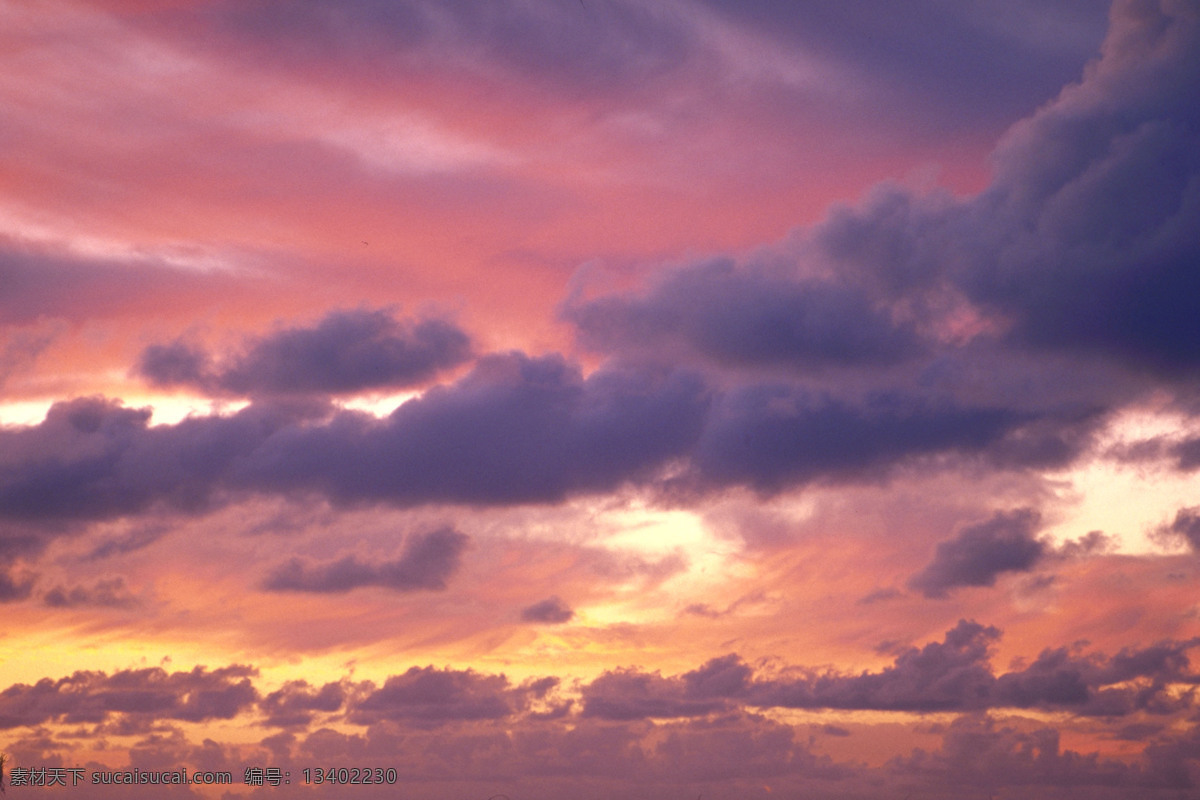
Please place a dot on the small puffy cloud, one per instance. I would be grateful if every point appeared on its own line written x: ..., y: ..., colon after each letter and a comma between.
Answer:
x: 296, y: 703
x: 428, y: 561
x: 981, y: 552
x: 347, y: 351
x: 552, y: 610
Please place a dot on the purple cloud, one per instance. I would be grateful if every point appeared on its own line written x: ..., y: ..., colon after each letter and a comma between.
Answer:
x: 981, y: 552
x: 552, y: 610
x: 747, y: 317
x: 297, y: 703
x: 110, y: 592
x: 434, y: 696
x: 1184, y: 528
x: 428, y: 561
x: 347, y: 351
x: 91, y: 697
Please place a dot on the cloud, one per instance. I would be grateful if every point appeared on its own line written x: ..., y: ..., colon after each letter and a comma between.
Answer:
x: 1082, y: 245
x: 552, y: 610
x: 773, y: 436
x: 1188, y: 453
x: 948, y: 675
x: 955, y: 675
x: 346, y: 351
x: 746, y: 317
x: 20, y: 347
x: 106, y: 593
x: 1084, y: 241
x: 557, y: 46
x: 91, y: 697
x: 516, y: 429
x: 1185, y: 528
x: 980, y: 552
x: 978, y: 751
x: 93, y: 458
x: 433, y: 696
x: 297, y: 703
x: 14, y: 587
x: 42, y: 283
x: 626, y: 694
x: 130, y: 542
x: 985, y: 64
x: 427, y: 562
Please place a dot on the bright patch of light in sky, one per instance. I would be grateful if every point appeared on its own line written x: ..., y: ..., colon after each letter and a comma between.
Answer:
x: 1126, y: 501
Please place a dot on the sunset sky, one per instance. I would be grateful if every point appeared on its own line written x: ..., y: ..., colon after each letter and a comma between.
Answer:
x: 571, y: 399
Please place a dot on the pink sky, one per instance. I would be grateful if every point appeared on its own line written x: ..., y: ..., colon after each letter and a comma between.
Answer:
x: 602, y: 399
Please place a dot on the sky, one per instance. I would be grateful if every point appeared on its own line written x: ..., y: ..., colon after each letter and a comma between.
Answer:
x: 599, y: 398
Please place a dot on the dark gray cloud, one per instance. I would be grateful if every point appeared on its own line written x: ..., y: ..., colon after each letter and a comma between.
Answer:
x: 552, y: 610
x: 92, y: 697
x: 747, y: 317
x: 346, y: 351
x: 428, y: 561
x: 981, y: 552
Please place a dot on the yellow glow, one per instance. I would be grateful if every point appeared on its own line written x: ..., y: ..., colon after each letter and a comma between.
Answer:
x: 26, y: 412
x: 1127, y: 501
x: 379, y: 405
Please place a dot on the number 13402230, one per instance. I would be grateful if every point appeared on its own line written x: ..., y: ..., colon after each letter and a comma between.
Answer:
x: 350, y: 775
